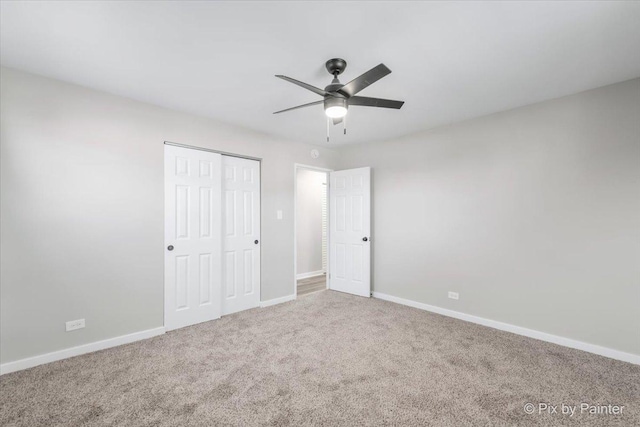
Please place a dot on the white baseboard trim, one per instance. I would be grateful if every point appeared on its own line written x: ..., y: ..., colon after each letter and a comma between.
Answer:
x: 30, y: 362
x: 543, y: 336
x: 269, y: 303
x: 310, y: 274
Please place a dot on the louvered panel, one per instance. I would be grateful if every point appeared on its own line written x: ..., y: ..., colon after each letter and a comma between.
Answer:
x: 324, y: 229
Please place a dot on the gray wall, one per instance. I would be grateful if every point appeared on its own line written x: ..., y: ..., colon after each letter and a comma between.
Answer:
x: 311, y: 186
x: 82, y: 210
x: 532, y: 215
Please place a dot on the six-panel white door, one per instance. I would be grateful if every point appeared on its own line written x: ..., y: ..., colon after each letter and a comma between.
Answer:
x: 240, y: 234
x: 349, y: 231
x: 193, y: 238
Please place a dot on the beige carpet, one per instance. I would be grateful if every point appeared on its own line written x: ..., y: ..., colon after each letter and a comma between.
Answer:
x: 326, y: 359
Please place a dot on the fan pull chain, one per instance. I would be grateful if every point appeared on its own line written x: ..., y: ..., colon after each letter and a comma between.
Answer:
x: 328, y: 121
x: 344, y: 123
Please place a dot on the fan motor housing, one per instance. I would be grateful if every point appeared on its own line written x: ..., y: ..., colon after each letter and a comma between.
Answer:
x: 335, y: 101
x: 334, y: 86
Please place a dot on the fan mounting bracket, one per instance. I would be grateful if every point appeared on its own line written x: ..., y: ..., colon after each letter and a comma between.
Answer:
x: 336, y: 66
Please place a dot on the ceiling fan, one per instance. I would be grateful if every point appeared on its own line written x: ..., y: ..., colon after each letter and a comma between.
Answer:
x: 338, y: 97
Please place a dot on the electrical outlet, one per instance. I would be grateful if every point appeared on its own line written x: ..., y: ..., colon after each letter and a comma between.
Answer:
x: 72, y: 325
x: 454, y: 295
x: 279, y: 214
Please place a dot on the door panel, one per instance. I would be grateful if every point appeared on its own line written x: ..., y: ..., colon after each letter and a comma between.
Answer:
x: 349, y: 225
x: 193, y: 228
x: 241, y: 224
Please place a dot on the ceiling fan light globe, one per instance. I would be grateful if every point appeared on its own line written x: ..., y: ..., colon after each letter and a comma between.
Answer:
x: 335, y: 107
x: 336, y: 112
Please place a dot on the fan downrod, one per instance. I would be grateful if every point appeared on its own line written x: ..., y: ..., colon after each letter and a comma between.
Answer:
x: 336, y: 66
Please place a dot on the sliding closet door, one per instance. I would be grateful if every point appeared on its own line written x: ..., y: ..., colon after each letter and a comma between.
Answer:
x: 193, y: 238
x: 241, y: 234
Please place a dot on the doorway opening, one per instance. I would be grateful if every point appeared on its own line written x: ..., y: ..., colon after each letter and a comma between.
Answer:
x: 312, y: 230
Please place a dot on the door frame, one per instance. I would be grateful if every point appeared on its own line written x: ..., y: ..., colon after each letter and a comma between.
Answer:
x: 296, y: 167
x: 223, y: 153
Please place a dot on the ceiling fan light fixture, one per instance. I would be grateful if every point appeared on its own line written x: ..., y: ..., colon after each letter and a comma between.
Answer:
x: 337, y: 98
x: 336, y: 112
x: 335, y: 108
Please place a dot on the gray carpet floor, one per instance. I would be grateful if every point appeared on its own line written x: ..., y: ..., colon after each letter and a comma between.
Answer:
x: 327, y: 359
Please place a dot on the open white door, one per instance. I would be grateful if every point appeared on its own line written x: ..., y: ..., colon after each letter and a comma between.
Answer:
x: 349, y: 231
x: 193, y: 239
x: 241, y: 234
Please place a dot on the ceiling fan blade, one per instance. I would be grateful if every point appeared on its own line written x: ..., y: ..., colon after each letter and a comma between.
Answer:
x: 304, y: 85
x: 300, y: 106
x: 375, y: 102
x: 368, y: 78
x: 337, y: 121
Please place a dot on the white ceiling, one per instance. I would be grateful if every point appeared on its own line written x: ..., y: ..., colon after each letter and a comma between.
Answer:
x: 450, y: 61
